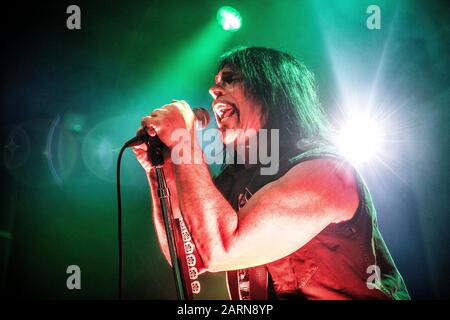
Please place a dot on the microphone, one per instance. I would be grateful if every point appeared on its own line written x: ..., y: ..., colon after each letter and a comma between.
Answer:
x: 201, y: 121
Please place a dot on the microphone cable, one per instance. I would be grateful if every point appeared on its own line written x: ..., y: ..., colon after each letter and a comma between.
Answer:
x: 119, y: 225
x: 132, y: 142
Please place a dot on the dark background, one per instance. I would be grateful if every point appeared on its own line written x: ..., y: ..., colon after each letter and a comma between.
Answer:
x: 70, y: 98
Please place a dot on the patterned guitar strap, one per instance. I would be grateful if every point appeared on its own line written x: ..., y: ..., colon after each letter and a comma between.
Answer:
x: 189, y: 258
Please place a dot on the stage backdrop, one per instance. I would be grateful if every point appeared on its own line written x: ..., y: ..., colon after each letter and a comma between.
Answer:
x: 71, y: 97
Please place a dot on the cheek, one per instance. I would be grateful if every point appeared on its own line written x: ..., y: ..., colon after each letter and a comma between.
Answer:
x: 262, y: 118
x: 252, y: 118
x: 250, y: 112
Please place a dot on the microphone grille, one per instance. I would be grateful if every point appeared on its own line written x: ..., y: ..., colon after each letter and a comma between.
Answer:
x: 202, y: 116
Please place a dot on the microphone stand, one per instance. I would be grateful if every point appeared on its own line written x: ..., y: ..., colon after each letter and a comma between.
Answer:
x: 155, y: 155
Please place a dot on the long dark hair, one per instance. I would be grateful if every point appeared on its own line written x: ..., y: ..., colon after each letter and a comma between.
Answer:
x: 286, y: 90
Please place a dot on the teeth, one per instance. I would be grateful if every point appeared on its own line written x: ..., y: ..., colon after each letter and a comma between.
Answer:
x: 222, y: 106
x: 227, y: 113
x: 223, y: 109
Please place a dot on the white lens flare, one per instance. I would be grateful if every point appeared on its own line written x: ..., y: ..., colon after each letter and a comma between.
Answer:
x: 360, y: 138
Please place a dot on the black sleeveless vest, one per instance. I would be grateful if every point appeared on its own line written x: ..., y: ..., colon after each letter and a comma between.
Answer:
x: 347, y: 260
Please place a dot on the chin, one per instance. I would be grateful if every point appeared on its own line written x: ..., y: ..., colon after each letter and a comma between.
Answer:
x: 228, y: 137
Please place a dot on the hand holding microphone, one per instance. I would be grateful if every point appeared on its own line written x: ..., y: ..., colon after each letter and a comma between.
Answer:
x: 152, y: 146
x: 163, y: 122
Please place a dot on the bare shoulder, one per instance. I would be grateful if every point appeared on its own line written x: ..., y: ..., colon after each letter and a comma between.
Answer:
x: 331, y: 181
x: 321, y: 170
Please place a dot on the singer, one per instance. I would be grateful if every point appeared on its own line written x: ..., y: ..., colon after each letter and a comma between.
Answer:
x: 308, y: 231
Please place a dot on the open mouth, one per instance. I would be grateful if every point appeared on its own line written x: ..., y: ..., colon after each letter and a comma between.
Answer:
x: 224, y: 110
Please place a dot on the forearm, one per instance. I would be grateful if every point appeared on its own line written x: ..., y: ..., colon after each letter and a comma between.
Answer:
x: 209, y: 216
x: 159, y: 223
x: 158, y: 220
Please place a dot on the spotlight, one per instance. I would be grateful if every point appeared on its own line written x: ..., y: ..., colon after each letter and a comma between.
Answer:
x: 360, y: 139
x: 229, y: 19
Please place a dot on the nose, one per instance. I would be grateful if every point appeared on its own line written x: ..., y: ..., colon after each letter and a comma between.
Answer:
x: 216, y: 91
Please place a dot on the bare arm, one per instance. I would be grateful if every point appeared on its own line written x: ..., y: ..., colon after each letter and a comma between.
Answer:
x: 158, y: 220
x: 280, y: 218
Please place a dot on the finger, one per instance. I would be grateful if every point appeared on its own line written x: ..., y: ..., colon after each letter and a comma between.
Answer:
x: 166, y: 108
x: 182, y: 106
x: 181, y: 103
x: 145, y: 121
x: 160, y: 111
x: 149, y: 121
x: 156, y: 112
x: 150, y: 125
x: 151, y: 131
x: 140, y: 148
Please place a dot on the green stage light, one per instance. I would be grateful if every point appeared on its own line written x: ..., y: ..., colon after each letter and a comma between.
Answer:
x: 229, y: 19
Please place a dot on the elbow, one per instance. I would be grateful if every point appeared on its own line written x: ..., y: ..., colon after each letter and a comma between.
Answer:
x: 214, y: 267
x: 216, y: 254
x: 209, y: 263
x: 216, y: 261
